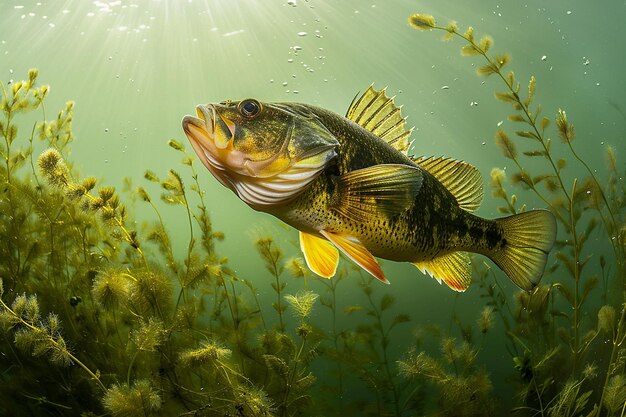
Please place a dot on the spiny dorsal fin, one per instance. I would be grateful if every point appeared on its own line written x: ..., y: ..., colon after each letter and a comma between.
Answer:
x: 377, y: 113
x: 460, y: 178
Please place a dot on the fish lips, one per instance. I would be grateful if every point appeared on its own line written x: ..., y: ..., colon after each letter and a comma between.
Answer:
x: 211, y: 136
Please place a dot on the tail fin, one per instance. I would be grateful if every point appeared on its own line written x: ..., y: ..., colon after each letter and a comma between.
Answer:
x: 529, y: 237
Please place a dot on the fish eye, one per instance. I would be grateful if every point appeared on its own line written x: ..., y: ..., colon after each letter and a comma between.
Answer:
x: 249, y: 108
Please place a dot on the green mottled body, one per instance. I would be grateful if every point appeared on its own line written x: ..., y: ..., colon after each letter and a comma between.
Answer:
x: 432, y: 226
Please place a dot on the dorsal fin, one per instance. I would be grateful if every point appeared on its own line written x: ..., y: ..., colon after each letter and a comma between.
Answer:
x: 377, y: 113
x: 460, y: 178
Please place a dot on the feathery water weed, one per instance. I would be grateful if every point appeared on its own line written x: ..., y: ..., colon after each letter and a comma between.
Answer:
x: 302, y: 303
x: 123, y: 400
x: 272, y: 255
x: 111, y: 288
x: 463, y: 388
x: 209, y: 353
x: 37, y: 336
x: 485, y: 321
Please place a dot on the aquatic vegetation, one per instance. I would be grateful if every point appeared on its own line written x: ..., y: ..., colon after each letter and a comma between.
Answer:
x: 463, y: 387
x: 127, y: 324
x: 552, y: 343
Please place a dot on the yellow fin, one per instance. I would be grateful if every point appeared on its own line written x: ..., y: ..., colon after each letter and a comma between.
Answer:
x: 377, y: 113
x: 385, y: 188
x: 460, y: 178
x: 359, y: 254
x: 453, y: 268
x: 528, y: 238
x: 320, y: 255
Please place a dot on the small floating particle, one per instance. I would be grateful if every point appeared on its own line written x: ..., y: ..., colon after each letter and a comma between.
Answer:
x: 445, y: 87
x: 291, y: 3
x: 234, y: 32
x: 284, y: 83
x: 302, y: 33
x: 544, y: 57
x: 568, y: 12
x: 500, y: 123
x: 473, y: 103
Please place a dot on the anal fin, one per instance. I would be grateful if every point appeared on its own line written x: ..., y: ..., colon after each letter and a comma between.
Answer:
x: 453, y: 268
x: 320, y: 255
x: 358, y: 253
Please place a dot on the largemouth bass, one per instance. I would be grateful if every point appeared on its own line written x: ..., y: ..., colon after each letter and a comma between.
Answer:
x: 348, y: 184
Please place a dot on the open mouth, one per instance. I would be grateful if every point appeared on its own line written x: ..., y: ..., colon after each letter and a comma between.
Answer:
x: 212, y: 136
x: 212, y: 141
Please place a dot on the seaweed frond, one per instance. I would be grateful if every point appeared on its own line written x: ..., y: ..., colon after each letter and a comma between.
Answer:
x: 123, y: 400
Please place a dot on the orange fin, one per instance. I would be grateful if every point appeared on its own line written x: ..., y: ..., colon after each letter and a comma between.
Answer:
x: 320, y: 255
x: 355, y: 250
x: 453, y: 268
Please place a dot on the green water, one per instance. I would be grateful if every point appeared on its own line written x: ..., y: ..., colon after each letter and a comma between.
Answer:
x: 134, y: 69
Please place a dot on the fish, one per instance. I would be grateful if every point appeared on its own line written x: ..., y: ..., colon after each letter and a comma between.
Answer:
x: 348, y: 184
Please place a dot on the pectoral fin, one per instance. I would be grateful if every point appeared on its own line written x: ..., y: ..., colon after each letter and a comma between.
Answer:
x: 359, y: 254
x: 320, y: 255
x: 368, y: 192
x: 453, y: 268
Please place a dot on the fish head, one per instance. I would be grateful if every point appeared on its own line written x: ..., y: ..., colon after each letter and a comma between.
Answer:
x: 265, y: 152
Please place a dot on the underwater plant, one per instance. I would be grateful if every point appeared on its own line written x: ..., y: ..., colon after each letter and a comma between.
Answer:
x: 128, y: 327
x: 556, y: 351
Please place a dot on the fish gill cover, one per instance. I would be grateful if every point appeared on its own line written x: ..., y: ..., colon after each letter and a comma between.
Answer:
x: 100, y: 315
